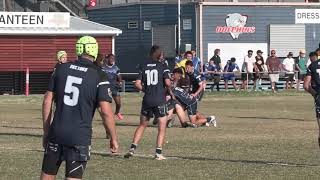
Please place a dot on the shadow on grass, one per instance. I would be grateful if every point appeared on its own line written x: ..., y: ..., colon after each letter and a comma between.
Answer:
x: 262, y: 162
x: 21, y: 127
x: 20, y: 134
x: 271, y: 118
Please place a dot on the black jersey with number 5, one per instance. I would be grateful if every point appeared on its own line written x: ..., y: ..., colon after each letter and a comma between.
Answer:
x: 78, y: 88
x: 152, y: 74
x: 314, y: 71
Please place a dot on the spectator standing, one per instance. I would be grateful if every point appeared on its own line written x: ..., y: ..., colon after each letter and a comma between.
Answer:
x: 62, y: 57
x: 288, y: 65
x: 274, y: 66
x: 196, y: 62
x: 258, y: 69
x: 229, y: 69
x: 301, y: 66
x: 179, y: 57
x: 247, y: 69
x: 217, y: 60
x: 210, y: 70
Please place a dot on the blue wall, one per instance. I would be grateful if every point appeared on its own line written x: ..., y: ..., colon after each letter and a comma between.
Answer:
x: 132, y: 46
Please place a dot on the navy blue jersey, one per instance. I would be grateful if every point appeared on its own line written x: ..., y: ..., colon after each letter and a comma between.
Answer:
x: 195, y: 79
x: 77, y: 88
x: 183, y: 96
x: 112, y: 73
x: 314, y: 71
x: 152, y: 75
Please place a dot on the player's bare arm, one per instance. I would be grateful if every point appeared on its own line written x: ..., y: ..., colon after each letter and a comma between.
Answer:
x: 201, y: 87
x: 109, y: 124
x: 307, y: 86
x: 46, y: 115
x: 138, y: 85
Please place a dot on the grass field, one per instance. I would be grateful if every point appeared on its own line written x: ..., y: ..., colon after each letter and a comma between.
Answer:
x: 259, y: 136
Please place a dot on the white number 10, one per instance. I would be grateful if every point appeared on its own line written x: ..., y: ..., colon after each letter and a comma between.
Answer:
x: 72, y: 89
x: 152, y: 77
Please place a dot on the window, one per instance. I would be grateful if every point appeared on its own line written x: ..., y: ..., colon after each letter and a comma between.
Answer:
x: 147, y: 25
x: 133, y: 25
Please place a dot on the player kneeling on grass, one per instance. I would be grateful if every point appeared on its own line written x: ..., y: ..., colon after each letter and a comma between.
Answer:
x: 312, y: 84
x: 190, y: 103
x: 78, y: 87
x: 152, y: 80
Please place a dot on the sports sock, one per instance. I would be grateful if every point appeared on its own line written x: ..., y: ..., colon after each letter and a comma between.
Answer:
x: 158, y: 150
x: 208, y: 119
x: 133, y: 146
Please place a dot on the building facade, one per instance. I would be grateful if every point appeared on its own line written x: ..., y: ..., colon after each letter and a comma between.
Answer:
x: 208, y: 25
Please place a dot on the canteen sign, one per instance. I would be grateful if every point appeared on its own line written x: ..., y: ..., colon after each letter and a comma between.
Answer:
x: 34, y: 19
x: 307, y: 16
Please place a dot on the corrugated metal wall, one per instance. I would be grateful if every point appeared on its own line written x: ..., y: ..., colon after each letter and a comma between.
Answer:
x: 260, y: 17
x: 132, y: 46
x: 39, y: 53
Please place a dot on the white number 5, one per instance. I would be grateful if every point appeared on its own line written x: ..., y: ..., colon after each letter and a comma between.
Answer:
x: 72, y: 89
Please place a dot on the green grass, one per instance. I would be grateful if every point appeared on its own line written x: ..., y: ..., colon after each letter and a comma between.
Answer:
x: 259, y: 136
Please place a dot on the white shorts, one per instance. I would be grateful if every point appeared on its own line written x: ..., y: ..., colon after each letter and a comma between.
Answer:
x: 274, y: 77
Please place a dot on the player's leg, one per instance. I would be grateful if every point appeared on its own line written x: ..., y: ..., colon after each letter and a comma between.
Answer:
x: 170, y: 118
x: 207, y: 120
x: 181, y: 115
x: 117, y: 99
x: 161, y: 113
x: 76, y: 161
x: 144, y: 121
x: 51, y: 162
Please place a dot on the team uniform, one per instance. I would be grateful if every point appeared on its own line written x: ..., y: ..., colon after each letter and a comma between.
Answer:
x: 312, y: 71
x: 152, y: 75
x: 112, y: 73
x: 78, y: 87
x: 195, y: 79
x: 184, y: 98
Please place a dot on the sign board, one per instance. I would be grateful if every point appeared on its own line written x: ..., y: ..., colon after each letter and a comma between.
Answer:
x: 307, y: 16
x: 236, y: 25
x: 187, y: 24
x: 236, y: 50
x: 35, y: 19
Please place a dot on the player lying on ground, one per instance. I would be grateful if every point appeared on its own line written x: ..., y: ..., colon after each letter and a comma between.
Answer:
x: 312, y: 84
x: 77, y: 87
x: 152, y: 80
x: 184, y: 100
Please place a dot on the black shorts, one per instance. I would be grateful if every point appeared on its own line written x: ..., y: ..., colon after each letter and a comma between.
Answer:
x: 76, y: 158
x: 154, y: 112
x: 115, y: 91
x: 289, y: 77
x: 244, y: 76
x: 317, y: 105
x: 192, y: 109
x: 171, y: 104
x: 301, y: 76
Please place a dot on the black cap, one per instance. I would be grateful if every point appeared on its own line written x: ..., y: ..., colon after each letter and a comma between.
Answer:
x: 317, y: 50
x: 312, y: 54
x: 290, y: 54
x: 250, y: 51
x: 259, y: 51
x: 233, y: 59
x: 177, y: 70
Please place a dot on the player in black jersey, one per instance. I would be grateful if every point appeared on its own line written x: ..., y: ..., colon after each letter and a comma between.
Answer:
x: 312, y: 85
x: 152, y: 80
x: 77, y: 88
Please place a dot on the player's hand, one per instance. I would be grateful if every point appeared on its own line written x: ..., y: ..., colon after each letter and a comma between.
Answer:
x: 114, y: 146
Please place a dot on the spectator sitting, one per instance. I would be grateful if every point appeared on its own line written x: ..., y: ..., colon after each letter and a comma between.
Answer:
x: 209, y: 71
x: 288, y: 65
x: 229, y: 69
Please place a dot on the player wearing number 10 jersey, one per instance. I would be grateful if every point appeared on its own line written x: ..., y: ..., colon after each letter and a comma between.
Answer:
x: 78, y: 88
x: 152, y: 80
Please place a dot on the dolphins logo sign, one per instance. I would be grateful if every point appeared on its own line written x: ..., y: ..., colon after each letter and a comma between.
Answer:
x: 235, y: 25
